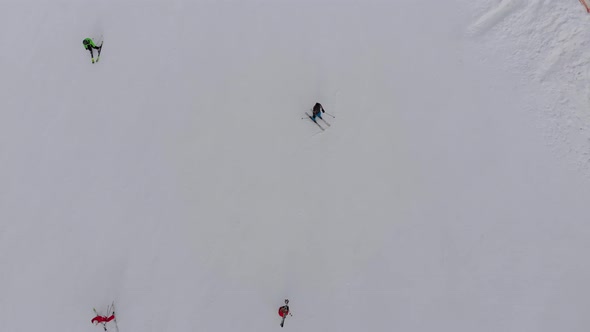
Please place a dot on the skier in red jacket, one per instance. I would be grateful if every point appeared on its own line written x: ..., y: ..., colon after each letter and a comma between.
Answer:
x: 103, y: 320
x: 284, y: 311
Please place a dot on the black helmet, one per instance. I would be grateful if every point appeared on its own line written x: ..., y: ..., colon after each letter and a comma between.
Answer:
x: 85, y: 42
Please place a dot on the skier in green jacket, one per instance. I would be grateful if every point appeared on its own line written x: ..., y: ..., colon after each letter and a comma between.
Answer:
x: 89, y: 45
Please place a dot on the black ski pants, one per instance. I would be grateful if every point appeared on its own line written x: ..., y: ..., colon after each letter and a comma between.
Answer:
x: 90, y: 49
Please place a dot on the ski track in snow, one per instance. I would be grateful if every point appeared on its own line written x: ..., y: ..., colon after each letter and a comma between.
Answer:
x: 549, y: 49
x: 494, y: 16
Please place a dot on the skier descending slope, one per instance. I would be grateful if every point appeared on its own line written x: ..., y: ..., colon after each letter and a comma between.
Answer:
x: 104, y: 319
x: 90, y: 45
x: 318, y: 109
x: 284, y: 311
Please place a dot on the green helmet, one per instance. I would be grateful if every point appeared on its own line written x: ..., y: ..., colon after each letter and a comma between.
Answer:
x: 88, y: 42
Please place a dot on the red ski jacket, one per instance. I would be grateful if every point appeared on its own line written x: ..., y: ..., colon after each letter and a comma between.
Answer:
x: 102, y: 319
x: 283, y: 311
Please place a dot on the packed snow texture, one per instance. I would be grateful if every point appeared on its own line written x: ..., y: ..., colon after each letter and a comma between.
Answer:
x: 178, y: 178
x: 546, y: 43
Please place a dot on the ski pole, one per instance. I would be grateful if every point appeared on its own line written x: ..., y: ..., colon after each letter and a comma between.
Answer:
x: 330, y: 114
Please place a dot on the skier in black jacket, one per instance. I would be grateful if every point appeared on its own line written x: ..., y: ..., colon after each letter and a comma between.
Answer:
x: 318, y: 109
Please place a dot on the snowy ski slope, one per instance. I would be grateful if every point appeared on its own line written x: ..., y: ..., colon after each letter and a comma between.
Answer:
x: 177, y: 177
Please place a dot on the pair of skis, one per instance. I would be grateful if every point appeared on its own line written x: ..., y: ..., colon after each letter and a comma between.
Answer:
x: 316, y: 122
x: 110, y: 311
x: 283, y: 320
x: 99, y: 49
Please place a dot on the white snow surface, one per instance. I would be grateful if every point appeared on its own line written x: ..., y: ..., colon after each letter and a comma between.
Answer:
x: 176, y: 176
